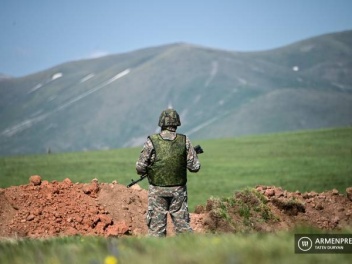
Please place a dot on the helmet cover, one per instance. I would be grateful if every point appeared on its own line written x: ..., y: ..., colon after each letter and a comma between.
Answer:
x: 169, y: 117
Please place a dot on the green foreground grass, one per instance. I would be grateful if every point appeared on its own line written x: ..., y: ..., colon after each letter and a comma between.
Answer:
x: 240, y: 248
x: 313, y: 160
x: 305, y: 161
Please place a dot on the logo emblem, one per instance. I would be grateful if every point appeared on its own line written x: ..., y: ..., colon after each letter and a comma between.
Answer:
x: 304, y: 243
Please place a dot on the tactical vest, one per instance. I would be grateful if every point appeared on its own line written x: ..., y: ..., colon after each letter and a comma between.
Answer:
x: 170, y: 165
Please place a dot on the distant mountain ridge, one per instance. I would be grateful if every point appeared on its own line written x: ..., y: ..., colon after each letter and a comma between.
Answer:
x: 4, y: 76
x: 115, y: 101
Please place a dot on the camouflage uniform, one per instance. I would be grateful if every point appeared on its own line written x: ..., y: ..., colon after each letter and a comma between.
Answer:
x: 162, y: 200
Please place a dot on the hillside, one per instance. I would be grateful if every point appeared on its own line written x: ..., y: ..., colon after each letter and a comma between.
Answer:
x: 115, y: 101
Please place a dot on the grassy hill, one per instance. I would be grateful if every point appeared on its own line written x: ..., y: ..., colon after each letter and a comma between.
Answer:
x: 305, y: 161
x: 115, y: 101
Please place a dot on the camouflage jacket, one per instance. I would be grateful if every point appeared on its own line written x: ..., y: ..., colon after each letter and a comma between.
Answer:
x: 147, y: 155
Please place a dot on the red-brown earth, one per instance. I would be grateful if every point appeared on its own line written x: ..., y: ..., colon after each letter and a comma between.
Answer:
x: 46, y: 209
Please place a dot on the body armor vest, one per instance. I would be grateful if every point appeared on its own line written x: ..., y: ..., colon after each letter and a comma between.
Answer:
x: 170, y: 165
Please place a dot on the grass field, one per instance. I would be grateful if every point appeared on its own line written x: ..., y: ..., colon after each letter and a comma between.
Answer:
x: 312, y: 160
x: 305, y: 161
x: 229, y: 249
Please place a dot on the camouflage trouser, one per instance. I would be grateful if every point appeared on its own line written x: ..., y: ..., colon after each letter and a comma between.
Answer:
x: 162, y: 200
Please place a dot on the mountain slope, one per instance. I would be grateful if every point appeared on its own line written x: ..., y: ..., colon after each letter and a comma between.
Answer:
x: 115, y: 101
x: 285, y: 110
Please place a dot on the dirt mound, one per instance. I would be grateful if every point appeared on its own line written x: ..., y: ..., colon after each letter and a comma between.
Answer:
x: 45, y: 209
x: 327, y: 210
x: 270, y: 208
x: 48, y: 209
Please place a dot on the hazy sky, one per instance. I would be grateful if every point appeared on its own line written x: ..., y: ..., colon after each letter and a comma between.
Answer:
x: 38, y: 34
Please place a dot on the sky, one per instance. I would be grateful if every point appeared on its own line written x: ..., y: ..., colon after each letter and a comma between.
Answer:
x: 39, y: 34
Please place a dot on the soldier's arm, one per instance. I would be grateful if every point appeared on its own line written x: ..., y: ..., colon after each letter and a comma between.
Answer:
x: 193, y: 163
x: 144, y: 157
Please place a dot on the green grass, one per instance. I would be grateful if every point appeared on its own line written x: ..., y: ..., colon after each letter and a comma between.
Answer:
x: 230, y: 248
x: 78, y: 166
x: 305, y: 161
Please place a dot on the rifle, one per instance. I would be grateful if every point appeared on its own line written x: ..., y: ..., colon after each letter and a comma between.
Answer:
x: 198, y: 149
x: 136, y: 181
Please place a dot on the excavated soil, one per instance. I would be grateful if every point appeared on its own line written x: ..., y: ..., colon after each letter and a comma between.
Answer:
x: 46, y: 209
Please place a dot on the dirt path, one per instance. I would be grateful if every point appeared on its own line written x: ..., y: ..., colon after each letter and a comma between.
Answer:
x: 46, y: 209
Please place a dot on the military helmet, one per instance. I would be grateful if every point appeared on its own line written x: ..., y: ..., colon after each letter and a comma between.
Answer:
x: 169, y: 117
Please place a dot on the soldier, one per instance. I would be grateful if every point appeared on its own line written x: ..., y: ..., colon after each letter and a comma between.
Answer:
x: 165, y: 158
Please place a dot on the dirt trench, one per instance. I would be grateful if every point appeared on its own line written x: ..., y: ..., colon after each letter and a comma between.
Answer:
x: 46, y: 209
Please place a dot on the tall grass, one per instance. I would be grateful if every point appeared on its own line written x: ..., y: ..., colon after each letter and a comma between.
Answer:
x: 230, y: 248
x: 305, y: 161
